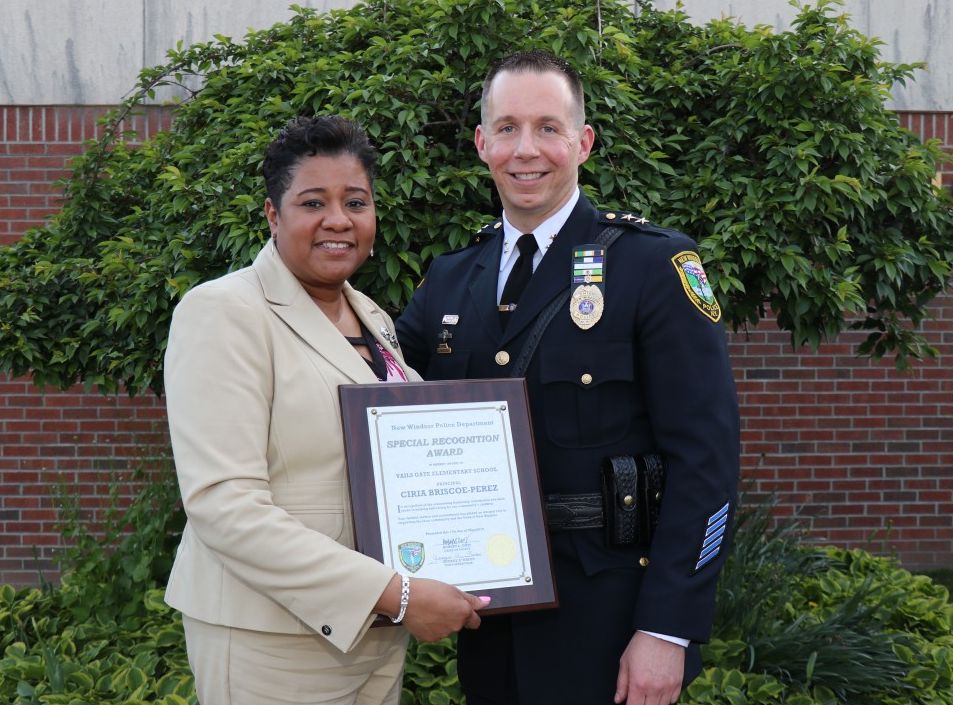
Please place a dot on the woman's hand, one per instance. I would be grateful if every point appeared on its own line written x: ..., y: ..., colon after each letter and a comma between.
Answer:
x: 434, y: 610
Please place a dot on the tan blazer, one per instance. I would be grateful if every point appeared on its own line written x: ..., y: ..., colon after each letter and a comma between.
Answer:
x: 252, y: 373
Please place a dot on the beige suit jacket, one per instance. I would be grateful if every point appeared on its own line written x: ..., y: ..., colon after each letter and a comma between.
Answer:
x: 252, y: 373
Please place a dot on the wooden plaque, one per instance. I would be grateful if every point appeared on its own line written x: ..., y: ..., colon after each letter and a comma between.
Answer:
x: 444, y: 485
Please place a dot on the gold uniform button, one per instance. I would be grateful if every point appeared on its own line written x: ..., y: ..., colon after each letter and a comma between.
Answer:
x: 610, y: 216
x: 627, y: 500
x: 586, y: 378
x: 502, y: 358
x: 643, y: 561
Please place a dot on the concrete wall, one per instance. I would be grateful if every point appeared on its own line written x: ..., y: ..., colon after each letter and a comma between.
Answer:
x: 89, y: 52
x: 912, y: 31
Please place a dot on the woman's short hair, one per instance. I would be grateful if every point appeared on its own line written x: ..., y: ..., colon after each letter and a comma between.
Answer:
x: 321, y: 135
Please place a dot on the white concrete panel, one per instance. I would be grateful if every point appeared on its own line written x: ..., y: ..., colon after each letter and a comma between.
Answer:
x: 68, y: 51
x: 917, y: 30
x: 90, y: 51
x: 190, y: 21
x: 912, y: 31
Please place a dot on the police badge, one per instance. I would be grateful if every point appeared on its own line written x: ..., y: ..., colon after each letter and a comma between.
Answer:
x: 411, y: 555
x: 588, y: 276
x: 586, y: 306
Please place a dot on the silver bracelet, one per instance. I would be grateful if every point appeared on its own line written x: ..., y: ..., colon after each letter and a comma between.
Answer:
x: 404, y: 599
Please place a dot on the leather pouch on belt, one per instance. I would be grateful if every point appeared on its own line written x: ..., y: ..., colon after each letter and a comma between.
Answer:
x: 632, y: 498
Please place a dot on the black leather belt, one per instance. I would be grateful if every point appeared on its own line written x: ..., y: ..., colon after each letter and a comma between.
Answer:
x: 574, y: 511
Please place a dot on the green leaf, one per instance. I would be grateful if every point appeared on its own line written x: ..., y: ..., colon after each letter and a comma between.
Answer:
x: 809, y: 669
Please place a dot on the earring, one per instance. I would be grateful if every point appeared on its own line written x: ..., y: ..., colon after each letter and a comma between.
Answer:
x: 372, y: 252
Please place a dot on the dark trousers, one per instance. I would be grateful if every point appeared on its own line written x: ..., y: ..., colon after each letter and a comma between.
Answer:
x: 497, y: 687
x: 563, y: 656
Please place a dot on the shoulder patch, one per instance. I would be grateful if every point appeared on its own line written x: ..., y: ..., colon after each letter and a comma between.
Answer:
x: 695, y: 283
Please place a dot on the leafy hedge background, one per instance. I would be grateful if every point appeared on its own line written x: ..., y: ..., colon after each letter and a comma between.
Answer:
x: 774, y: 150
x: 795, y: 625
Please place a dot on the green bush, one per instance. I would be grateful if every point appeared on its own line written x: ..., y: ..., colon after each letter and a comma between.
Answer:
x: 49, y: 657
x: 430, y: 674
x: 823, y: 625
x: 773, y: 149
x: 943, y: 576
x: 795, y: 624
x: 113, y: 562
x: 103, y: 635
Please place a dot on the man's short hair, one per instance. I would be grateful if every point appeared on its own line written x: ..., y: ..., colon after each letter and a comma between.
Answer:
x: 537, y: 61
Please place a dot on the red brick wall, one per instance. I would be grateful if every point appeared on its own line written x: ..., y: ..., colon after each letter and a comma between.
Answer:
x: 859, y: 452
x: 862, y: 454
x: 36, y: 146
x: 78, y: 441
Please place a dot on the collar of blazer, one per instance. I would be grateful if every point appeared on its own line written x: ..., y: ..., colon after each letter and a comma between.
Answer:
x: 291, y: 303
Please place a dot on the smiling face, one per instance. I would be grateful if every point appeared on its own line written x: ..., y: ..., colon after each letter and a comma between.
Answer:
x: 325, y: 224
x: 533, y: 140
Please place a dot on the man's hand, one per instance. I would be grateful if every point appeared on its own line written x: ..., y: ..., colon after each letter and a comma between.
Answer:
x: 650, y: 672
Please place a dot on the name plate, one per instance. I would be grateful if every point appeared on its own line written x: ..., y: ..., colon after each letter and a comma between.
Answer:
x: 444, y: 485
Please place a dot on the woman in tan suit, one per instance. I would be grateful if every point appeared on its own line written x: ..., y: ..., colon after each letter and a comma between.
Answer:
x: 276, y: 603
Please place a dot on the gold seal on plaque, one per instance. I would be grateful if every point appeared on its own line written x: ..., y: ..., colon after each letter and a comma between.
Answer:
x: 501, y: 549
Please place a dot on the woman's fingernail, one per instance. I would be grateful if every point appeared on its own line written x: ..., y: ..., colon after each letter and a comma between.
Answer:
x: 485, y: 599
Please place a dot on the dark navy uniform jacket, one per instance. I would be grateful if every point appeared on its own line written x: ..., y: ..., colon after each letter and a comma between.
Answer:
x: 652, y: 375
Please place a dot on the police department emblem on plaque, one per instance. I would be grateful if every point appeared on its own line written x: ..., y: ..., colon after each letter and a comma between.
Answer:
x: 411, y: 554
x: 695, y: 283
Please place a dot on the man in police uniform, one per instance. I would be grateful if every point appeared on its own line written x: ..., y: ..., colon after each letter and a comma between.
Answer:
x: 635, y: 362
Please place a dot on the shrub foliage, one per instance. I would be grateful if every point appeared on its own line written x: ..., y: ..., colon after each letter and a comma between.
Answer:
x: 795, y: 626
x: 773, y: 149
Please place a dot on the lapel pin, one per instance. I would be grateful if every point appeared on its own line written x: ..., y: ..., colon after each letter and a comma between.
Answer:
x: 389, y: 337
x: 444, y: 347
x: 448, y: 321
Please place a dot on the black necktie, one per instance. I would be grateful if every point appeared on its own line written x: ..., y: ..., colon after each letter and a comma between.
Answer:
x: 519, y: 276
